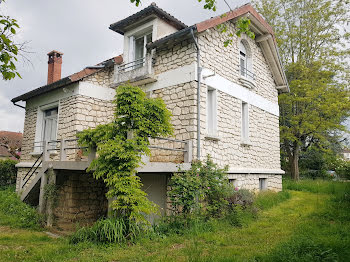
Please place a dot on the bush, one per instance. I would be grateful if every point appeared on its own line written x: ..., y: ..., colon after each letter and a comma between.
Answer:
x: 8, y: 172
x: 15, y: 213
x: 110, y: 230
x: 343, y: 169
x: 242, y: 197
x: 203, y: 188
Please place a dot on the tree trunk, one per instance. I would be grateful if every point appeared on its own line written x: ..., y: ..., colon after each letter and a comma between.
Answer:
x: 294, y: 162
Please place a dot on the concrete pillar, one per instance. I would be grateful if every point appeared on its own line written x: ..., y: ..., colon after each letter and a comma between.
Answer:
x: 51, y: 174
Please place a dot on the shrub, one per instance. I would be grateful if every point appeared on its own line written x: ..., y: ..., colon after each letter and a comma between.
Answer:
x: 109, y: 230
x: 203, y: 188
x: 8, y: 172
x: 242, y: 197
x: 15, y: 213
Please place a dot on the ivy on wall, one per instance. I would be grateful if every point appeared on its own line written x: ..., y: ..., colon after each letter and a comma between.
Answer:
x: 120, y: 154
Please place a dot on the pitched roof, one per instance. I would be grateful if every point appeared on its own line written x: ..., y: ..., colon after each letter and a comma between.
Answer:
x: 152, y: 9
x: 12, y: 139
x: 69, y: 79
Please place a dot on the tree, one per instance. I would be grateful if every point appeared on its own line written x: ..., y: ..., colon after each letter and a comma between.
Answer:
x: 120, y: 146
x: 8, y: 49
x: 312, y: 37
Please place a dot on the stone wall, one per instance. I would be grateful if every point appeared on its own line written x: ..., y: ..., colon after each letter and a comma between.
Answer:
x: 263, y: 151
x: 81, y: 198
x: 183, y: 53
x: 251, y: 181
x: 28, y: 134
x: 102, y: 78
x: 225, y: 60
x: 181, y: 101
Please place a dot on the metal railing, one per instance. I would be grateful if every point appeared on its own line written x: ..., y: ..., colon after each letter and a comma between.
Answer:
x: 246, y: 73
x: 132, y: 65
x: 30, y: 174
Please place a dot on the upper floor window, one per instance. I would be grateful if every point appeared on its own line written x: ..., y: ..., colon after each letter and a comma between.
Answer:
x: 50, y: 124
x: 245, y: 61
x: 245, y: 122
x: 137, y: 48
x: 211, y: 112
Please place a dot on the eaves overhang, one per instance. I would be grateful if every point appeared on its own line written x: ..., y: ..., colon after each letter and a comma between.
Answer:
x: 122, y: 25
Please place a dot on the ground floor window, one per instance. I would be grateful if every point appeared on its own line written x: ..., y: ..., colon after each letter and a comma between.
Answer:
x: 262, y: 183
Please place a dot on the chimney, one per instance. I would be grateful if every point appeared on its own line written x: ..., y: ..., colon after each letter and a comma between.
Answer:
x: 54, y: 68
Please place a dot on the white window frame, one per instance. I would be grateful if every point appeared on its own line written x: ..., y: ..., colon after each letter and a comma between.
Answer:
x: 262, y: 184
x: 39, y: 130
x: 211, y: 106
x: 245, y: 123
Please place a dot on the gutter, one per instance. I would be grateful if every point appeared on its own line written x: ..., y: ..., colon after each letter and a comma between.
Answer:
x: 199, y: 76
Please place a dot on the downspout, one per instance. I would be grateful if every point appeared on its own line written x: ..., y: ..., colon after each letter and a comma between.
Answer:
x: 199, y: 76
x: 14, y: 103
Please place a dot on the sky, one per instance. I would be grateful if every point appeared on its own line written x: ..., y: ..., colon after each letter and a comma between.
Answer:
x: 79, y: 29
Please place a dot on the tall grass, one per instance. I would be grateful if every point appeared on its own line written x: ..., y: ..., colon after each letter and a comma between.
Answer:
x: 315, y: 186
x: 15, y: 213
x: 268, y: 199
x: 110, y: 230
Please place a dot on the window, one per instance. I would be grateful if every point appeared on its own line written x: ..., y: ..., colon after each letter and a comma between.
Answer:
x: 50, y: 124
x: 138, y: 48
x: 211, y: 112
x: 262, y: 184
x: 233, y: 182
x: 245, y: 122
x: 245, y: 61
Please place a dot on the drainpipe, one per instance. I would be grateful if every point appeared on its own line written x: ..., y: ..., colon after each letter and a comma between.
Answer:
x: 199, y: 76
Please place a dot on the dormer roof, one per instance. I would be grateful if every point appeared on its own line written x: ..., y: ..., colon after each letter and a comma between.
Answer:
x: 122, y: 25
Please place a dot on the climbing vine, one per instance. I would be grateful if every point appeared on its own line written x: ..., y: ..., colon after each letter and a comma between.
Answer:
x: 120, y: 146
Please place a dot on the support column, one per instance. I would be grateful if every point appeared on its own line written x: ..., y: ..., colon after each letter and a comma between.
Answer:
x: 51, y: 175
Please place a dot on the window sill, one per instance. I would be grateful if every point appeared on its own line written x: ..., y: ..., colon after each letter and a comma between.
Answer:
x: 249, y: 83
x: 213, y: 137
x: 38, y: 153
x: 246, y: 143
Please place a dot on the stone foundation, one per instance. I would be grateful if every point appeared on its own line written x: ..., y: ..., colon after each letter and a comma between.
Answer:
x: 251, y: 181
x: 81, y: 198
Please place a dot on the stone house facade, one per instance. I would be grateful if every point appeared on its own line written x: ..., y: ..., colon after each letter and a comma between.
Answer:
x: 224, y: 102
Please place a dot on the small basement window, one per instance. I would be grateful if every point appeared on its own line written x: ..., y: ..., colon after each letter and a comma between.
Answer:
x: 233, y: 182
x: 262, y: 184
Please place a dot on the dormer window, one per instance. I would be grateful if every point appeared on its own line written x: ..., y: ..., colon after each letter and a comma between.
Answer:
x: 140, y: 46
x: 137, y: 47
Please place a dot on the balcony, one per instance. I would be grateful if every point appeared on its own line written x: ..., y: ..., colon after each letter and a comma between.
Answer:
x: 138, y: 72
x: 246, y: 77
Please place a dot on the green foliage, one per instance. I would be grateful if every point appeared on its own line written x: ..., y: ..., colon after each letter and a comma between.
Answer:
x: 111, y: 230
x: 267, y: 199
x: 301, y: 249
x: 120, y: 146
x: 15, y: 213
x: 315, y: 186
x: 203, y: 187
x: 8, y: 49
x: 241, y: 197
x: 342, y: 168
x: 8, y: 172
x: 312, y: 47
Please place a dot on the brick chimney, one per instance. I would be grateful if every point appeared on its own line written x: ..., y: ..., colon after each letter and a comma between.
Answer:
x: 54, y: 68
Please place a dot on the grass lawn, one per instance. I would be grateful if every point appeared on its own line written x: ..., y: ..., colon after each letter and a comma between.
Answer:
x: 310, y: 226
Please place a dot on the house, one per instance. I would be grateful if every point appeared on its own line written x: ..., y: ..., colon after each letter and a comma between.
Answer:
x: 234, y: 117
x: 346, y: 154
x: 10, y: 145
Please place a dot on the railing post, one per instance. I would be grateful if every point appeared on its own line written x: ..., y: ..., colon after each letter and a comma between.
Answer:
x: 46, y: 152
x: 92, y: 154
x: 63, y: 155
x: 188, y: 153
